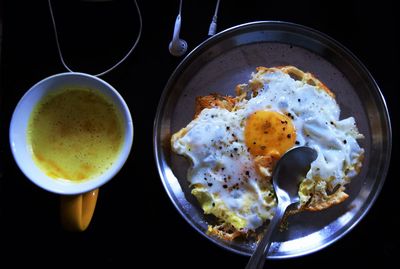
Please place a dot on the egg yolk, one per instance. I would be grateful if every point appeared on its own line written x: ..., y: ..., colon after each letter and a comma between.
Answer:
x: 269, y: 133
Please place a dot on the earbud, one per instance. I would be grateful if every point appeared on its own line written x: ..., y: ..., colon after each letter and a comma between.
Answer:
x: 177, y: 46
x: 213, y: 26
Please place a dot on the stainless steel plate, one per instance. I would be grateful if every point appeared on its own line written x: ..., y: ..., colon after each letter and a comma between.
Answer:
x: 227, y: 59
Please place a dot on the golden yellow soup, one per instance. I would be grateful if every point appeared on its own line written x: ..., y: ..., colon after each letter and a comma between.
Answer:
x: 75, y: 134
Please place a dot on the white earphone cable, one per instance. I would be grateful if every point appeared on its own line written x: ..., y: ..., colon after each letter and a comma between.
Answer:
x: 180, y: 7
x: 213, y: 25
x: 112, y: 67
x: 216, y: 9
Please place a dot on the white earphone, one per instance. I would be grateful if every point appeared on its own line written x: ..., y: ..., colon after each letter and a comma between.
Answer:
x: 213, y: 25
x: 178, y: 46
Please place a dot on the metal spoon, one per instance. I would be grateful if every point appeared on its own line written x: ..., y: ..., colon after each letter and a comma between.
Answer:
x: 289, y: 170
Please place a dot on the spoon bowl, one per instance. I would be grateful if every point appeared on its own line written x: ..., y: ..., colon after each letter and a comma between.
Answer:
x: 288, y: 173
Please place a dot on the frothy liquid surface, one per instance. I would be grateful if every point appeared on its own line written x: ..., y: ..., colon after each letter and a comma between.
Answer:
x: 75, y: 134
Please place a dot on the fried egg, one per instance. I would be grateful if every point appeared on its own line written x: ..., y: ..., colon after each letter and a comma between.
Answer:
x: 233, y: 152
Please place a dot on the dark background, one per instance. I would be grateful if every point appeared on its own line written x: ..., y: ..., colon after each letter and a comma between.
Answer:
x: 134, y: 216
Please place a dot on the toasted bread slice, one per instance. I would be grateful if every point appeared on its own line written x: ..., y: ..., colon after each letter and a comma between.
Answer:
x: 214, y: 100
x: 295, y: 73
x: 319, y: 197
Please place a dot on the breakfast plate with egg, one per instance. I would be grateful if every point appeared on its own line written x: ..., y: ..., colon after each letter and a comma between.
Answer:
x: 243, y: 98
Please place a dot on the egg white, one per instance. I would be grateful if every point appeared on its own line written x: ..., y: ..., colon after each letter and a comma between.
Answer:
x: 223, y: 174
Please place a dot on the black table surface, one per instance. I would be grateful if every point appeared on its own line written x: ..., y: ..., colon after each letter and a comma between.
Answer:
x: 134, y: 216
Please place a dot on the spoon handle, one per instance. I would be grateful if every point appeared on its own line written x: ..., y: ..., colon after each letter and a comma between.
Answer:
x: 258, y: 258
